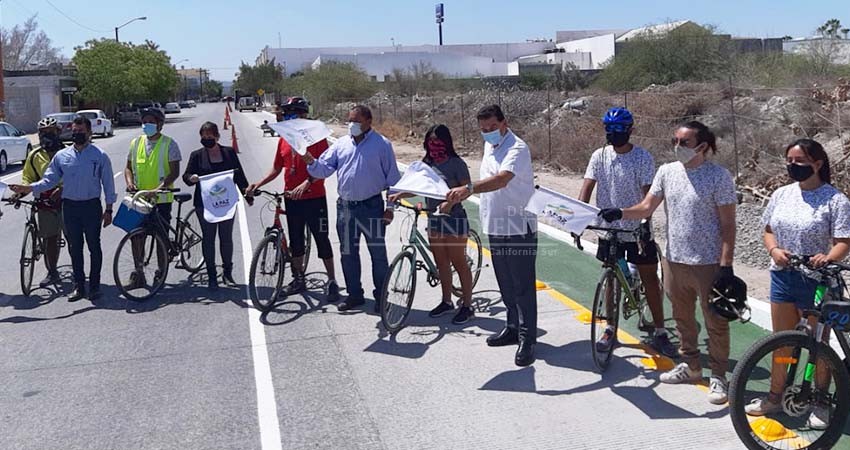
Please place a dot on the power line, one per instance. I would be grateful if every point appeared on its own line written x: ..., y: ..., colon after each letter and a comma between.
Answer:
x: 74, y: 21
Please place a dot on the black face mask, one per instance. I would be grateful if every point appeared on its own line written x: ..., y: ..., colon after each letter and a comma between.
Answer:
x: 208, y: 142
x: 79, y: 138
x: 617, y: 139
x: 50, y: 141
x: 800, y: 173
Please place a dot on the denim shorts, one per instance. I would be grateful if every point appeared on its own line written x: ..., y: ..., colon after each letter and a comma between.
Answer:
x: 791, y: 286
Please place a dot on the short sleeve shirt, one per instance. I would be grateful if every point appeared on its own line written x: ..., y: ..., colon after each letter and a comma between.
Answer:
x: 295, y: 170
x: 455, y: 172
x: 805, y: 222
x: 620, y: 178
x: 691, y: 198
x: 503, y: 211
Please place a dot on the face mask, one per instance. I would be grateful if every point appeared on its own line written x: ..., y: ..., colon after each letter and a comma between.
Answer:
x: 799, y: 172
x: 208, y: 142
x: 437, y: 152
x: 617, y: 139
x: 49, y: 141
x: 79, y: 138
x: 493, y: 137
x: 149, y: 129
x: 685, y: 154
x: 355, y: 129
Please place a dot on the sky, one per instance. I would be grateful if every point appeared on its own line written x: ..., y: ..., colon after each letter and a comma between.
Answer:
x: 217, y: 34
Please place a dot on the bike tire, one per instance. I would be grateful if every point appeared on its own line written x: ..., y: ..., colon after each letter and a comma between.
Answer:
x: 599, y: 319
x: 29, y: 257
x: 124, y: 264
x: 308, y: 238
x: 739, y: 397
x: 268, y: 269
x: 401, y: 280
x: 473, y: 258
x: 191, y: 243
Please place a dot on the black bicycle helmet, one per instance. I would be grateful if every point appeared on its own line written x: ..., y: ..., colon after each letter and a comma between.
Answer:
x: 296, y: 104
x: 731, y: 302
x: 155, y: 112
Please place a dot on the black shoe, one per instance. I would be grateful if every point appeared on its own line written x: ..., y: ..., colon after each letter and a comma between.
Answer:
x: 333, y: 292
x: 51, y: 279
x: 95, y: 295
x: 212, y: 284
x: 228, y: 280
x: 508, y: 336
x: 296, y: 286
x: 464, y: 314
x: 441, y: 309
x: 524, y: 353
x: 76, y: 295
x: 137, y: 281
x: 350, y: 302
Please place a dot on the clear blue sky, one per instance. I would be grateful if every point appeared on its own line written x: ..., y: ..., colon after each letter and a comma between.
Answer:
x: 218, y: 34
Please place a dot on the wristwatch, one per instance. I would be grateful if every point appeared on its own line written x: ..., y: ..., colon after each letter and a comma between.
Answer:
x: 471, y: 188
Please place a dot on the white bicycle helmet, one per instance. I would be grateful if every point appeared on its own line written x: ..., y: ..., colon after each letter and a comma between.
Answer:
x: 47, y: 122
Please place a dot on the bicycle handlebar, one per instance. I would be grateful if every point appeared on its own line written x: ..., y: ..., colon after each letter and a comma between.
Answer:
x: 141, y: 192
x: 417, y: 208
x: 274, y: 195
x: 17, y: 202
x: 802, y: 263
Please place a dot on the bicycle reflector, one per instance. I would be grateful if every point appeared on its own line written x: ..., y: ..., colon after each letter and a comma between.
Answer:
x: 731, y: 303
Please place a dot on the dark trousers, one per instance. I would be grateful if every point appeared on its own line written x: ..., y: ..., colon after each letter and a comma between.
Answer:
x: 82, y: 220
x: 225, y: 243
x: 312, y: 213
x: 514, y: 260
x: 353, y: 220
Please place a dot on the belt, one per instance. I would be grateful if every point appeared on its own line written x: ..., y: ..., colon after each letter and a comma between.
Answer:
x: 79, y: 202
x: 357, y: 202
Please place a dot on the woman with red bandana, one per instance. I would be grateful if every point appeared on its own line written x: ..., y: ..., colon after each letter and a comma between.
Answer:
x: 448, y: 228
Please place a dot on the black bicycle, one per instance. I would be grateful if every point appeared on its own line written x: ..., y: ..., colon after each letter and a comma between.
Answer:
x: 33, y: 246
x: 141, y: 261
x: 791, y: 389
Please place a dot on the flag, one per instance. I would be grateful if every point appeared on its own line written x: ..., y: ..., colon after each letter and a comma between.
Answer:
x: 301, y: 133
x: 220, y: 196
x: 561, y: 211
x: 421, y: 179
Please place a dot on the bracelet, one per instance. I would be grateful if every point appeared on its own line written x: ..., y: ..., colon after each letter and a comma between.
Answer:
x: 770, y: 252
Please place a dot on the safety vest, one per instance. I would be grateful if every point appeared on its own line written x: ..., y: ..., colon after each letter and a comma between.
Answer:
x: 150, y: 170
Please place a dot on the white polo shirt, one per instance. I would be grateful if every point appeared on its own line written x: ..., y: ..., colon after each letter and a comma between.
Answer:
x: 503, y: 212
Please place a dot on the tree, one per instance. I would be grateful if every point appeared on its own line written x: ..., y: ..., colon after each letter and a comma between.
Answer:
x: 330, y: 82
x: 263, y: 76
x: 831, y: 29
x: 213, y: 88
x: 26, y: 45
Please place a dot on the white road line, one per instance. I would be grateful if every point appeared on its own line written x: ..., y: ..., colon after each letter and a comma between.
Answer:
x: 266, y: 403
x: 9, y: 177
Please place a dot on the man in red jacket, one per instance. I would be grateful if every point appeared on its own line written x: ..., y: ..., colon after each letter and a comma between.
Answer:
x: 306, y: 205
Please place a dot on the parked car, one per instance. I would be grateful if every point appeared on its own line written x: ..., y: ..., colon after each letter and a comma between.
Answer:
x: 192, y: 103
x: 128, y: 115
x: 172, y: 108
x: 14, y: 146
x: 64, y: 121
x: 149, y: 104
x: 183, y: 104
x: 247, y: 103
x: 99, y: 123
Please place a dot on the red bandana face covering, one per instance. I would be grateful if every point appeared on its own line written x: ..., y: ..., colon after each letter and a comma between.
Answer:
x: 437, y: 152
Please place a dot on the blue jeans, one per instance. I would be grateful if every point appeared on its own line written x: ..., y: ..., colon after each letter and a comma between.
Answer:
x: 353, y: 220
x: 82, y: 220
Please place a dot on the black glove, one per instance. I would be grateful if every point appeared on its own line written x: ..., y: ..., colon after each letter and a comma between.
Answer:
x: 611, y: 214
x: 724, y: 278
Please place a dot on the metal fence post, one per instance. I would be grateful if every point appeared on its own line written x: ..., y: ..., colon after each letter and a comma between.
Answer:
x: 734, y: 127
x: 380, y: 112
x: 411, y: 113
x: 462, y: 122
x: 625, y: 100
x: 549, y: 120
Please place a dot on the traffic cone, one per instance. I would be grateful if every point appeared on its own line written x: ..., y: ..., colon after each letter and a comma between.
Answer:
x: 234, y: 140
x: 225, y: 123
x: 227, y: 116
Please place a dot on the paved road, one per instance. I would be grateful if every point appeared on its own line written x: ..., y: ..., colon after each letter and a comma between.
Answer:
x: 191, y: 370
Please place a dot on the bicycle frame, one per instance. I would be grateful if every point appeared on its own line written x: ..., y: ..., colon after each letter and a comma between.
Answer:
x: 420, y: 247
x: 631, y: 302
x: 277, y: 224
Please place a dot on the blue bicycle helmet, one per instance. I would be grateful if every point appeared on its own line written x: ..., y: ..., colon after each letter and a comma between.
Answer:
x: 618, y: 120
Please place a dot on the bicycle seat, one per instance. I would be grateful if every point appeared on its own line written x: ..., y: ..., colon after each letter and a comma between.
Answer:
x: 182, y: 197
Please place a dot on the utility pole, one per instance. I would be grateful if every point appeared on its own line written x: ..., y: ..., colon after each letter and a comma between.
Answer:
x: 440, y: 13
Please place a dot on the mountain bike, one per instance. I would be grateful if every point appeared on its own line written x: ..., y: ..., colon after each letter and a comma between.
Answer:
x: 33, y: 246
x: 400, y: 284
x: 815, y: 392
x: 141, y: 262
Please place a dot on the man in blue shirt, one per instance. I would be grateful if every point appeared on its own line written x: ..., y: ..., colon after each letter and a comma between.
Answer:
x: 365, y: 166
x: 83, y: 170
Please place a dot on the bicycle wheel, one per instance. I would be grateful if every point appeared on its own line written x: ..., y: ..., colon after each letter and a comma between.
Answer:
x: 29, y: 258
x: 265, y: 279
x: 191, y: 243
x: 607, y: 290
x: 140, y: 267
x: 399, y: 288
x: 473, y: 258
x: 788, y: 427
x: 307, y: 246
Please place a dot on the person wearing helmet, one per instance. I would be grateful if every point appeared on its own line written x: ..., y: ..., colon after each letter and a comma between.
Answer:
x: 153, y: 162
x: 307, y: 204
x: 808, y: 217
x: 624, y: 172
x: 50, y: 211
x: 700, y: 202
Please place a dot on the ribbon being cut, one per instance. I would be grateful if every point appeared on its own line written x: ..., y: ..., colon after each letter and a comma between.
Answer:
x: 421, y: 179
x: 562, y: 212
x: 220, y: 196
x: 301, y: 133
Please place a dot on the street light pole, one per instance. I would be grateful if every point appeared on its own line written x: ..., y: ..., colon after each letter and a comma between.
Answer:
x: 127, y: 23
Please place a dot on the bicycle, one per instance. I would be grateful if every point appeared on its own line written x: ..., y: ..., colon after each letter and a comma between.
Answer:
x: 401, y: 276
x: 271, y: 256
x: 146, y: 252
x: 33, y: 245
x: 808, y: 362
x: 610, y: 294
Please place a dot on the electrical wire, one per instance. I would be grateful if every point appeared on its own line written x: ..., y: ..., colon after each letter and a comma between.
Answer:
x: 74, y: 21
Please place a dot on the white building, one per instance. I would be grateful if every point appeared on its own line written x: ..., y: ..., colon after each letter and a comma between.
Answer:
x: 380, y: 66
x: 837, y: 50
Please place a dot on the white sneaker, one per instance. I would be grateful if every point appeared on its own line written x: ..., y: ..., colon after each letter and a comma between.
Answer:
x: 682, y: 373
x: 819, y: 418
x: 762, y: 406
x: 717, y: 389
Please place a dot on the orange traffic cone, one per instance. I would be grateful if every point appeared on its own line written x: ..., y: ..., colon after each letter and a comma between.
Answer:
x: 234, y: 140
x: 225, y: 123
x: 227, y: 116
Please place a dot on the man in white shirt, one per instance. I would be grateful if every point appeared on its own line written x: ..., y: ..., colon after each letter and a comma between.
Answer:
x: 506, y: 184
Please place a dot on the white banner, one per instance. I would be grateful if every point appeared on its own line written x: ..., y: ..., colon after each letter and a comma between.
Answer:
x: 301, y: 133
x: 421, y: 179
x: 220, y: 196
x: 2, y: 189
x: 562, y: 212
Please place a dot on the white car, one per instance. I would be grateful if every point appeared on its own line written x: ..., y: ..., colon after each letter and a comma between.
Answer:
x: 99, y: 123
x: 14, y: 146
x: 172, y: 108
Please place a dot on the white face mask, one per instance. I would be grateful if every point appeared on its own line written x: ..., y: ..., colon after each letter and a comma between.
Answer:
x: 354, y: 129
x: 685, y: 154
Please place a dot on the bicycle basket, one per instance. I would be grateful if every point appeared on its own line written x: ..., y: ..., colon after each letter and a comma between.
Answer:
x: 131, y: 213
